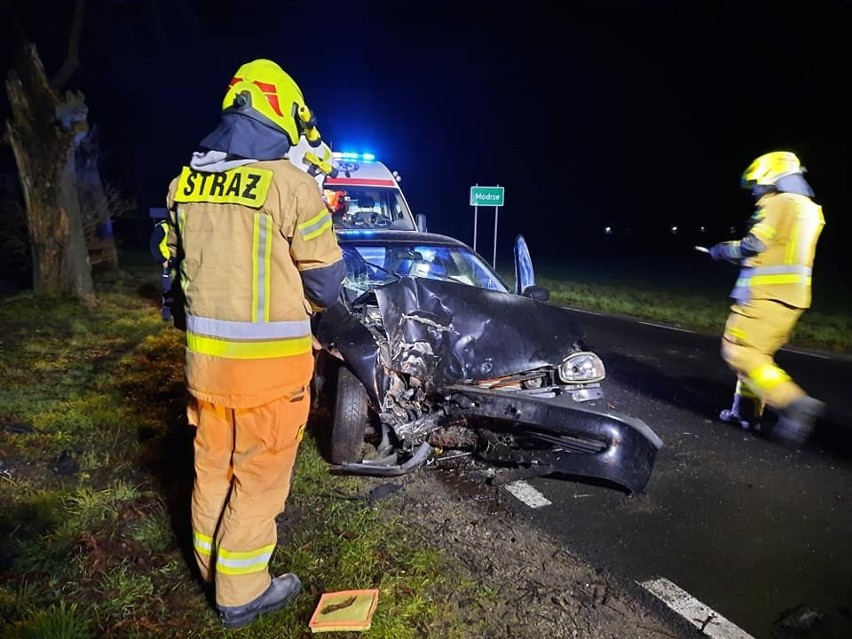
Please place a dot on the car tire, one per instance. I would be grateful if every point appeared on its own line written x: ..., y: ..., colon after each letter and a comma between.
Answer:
x: 349, y: 423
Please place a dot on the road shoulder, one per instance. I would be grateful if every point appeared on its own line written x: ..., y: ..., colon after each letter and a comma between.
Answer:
x: 542, y: 589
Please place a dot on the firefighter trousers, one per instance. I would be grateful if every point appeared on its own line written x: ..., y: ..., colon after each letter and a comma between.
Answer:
x: 754, y: 332
x: 244, y: 462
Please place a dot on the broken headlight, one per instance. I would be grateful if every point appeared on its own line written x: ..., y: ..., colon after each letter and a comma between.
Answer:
x: 582, y: 367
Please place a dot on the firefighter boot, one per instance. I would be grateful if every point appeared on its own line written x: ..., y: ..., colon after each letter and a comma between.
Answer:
x: 279, y: 593
x: 797, y: 421
x: 745, y: 411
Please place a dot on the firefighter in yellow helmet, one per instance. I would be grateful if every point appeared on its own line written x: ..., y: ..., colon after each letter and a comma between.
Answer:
x: 772, y: 291
x: 256, y: 256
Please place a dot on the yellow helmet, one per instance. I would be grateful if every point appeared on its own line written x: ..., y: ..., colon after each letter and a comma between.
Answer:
x: 770, y: 167
x: 261, y: 89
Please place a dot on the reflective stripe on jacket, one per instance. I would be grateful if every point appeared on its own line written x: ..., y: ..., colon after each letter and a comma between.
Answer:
x: 245, y: 238
x: 789, y: 225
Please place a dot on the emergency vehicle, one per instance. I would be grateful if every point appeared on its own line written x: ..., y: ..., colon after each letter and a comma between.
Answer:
x: 363, y: 193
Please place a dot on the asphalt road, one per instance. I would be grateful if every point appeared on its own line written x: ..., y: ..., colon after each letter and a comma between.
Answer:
x: 758, y: 532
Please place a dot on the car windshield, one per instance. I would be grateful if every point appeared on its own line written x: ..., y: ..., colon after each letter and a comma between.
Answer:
x: 367, y: 208
x: 370, y: 266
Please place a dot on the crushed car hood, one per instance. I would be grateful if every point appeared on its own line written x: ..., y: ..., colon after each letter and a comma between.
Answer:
x: 457, y: 333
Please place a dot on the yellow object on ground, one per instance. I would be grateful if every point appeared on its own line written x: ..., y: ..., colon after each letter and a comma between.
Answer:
x: 344, y: 610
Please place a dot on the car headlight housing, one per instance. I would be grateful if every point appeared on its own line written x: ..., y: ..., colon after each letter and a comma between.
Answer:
x: 582, y: 367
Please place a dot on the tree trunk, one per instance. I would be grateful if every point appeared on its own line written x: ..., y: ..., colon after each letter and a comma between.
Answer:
x: 42, y: 134
x: 76, y: 267
x: 96, y: 209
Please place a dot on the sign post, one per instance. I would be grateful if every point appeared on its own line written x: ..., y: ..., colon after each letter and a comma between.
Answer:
x: 494, y: 252
x: 487, y: 196
x: 475, y: 217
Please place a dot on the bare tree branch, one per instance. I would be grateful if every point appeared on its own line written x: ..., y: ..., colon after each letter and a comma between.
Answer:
x: 72, y: 57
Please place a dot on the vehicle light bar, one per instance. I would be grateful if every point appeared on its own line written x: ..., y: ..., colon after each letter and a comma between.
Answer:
x: 356, y: 232
x: 351, y: 155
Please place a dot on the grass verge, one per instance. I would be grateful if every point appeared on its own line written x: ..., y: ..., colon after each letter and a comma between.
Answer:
x: 95, y: 481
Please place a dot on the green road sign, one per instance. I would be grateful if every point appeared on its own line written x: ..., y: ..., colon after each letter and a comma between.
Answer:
x: 486, y: 195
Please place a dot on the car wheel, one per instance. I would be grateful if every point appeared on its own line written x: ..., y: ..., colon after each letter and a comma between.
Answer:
x: 349, y: 424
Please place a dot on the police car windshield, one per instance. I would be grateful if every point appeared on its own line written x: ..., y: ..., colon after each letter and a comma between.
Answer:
x: 370, y: 266
x: 367, y: 208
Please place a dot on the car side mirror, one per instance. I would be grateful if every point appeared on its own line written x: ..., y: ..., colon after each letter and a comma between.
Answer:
x: 421, y: 222
x: 538, y: 293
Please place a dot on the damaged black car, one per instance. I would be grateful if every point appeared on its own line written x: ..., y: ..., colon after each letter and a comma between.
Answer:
x: 429, y: 352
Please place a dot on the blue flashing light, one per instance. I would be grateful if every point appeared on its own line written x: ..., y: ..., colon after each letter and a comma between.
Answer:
x: 356, y: 232
x: 351, y: 155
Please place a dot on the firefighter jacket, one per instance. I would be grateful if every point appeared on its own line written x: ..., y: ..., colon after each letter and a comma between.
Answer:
x: 787, y: 226
x: 256, y: 256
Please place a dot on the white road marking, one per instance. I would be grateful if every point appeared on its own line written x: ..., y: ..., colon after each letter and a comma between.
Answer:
x: 669, y: 328
x: 527, y: 494
x: 800, y: 351
x: 707, y: 620
x: 581, y: 310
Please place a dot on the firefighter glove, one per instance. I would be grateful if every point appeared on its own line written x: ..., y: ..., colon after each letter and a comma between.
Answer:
x: 728, y: 251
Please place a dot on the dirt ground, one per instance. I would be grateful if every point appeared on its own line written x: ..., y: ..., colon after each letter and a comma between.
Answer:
x: 548, y: 592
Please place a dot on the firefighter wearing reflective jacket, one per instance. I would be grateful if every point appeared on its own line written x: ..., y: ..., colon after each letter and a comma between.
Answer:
x: 252, y: 242
x: 772, y: 291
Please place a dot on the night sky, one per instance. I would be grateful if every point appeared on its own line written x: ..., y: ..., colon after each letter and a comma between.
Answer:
x: 636, y: 115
